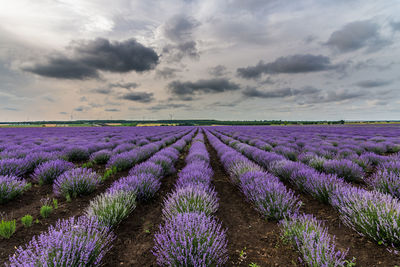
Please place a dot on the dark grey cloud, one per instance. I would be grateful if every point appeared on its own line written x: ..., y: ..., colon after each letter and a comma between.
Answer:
x: 63, y: 68
x: 356, y: 35
x: 179, y: 31
x: 90, y: 57
x: 291, y: 64
x: 373, y: 83
x: 218, y: 71
x: 166, y: 73
x: 141, y: 97
x: 130, y: 85
x: 179, y: 28
x: 176, y: 52
x: 112, y: 110
x: 279, y: 93
x: 186, y: 90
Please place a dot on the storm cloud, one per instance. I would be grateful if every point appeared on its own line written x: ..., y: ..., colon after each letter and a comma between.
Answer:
x: 300, y: 63
x: 279, y: 93
x: 356, y: 35
x: 185, y: 90
x: 90, y: 57
x: 179, y: 31
x: 141, y: 97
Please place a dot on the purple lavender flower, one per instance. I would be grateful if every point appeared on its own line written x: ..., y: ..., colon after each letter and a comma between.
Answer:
x: 48, y: 171
x: 370, y: 213
x: 11, y: 187
x: 346, y: 169
x: 191, y: 198
x: 239, y: 167
x: 72, y: 242
x: 111, y: 208
x: 386, y: 181
x: 34, y: 159
x: 123, y: 148
x: 270, y: 197
x: 123, y: 161
x: 170, y: 152
x: 195, y: 173
x: 14, y: 167
x: 191, y: 239
x: 164, y: 161
x: 75, y: 182
x: 145, y: 185
x: 147, y: 167
x: 77, y: 154
x: 101, y: 157
x: 311, y: 239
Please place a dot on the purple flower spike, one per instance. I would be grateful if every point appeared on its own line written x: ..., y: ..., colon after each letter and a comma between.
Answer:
x: 191, y: 239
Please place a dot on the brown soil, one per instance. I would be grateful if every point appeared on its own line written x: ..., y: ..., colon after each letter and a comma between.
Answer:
x: 135, y: 234
x: 29, y: 203
x: 251, y: 239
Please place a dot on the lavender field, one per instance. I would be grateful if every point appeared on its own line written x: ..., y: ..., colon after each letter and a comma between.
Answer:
x: 200, y: 196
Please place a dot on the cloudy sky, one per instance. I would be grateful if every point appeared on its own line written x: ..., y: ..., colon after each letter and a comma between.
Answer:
x: 225, y: 59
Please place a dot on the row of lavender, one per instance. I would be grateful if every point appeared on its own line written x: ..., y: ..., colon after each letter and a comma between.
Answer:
x: 49, y: 168
x: 353, y: 164
x: 370, y: 213
x: 190, y: 235
x: 274, y: 201
x: 85, y: 240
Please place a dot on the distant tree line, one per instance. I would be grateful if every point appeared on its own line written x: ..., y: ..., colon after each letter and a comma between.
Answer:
x: 176, y: 122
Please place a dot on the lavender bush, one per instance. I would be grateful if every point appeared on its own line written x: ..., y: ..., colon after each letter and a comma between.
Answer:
x: 48, y: 171
x: 164, y: 161
x: 144, y: 185
x: 147, y: 167
x: 77, y: 154
x: 346, y: 169
x: 191, y: 239
x: 191, y: 198
x: 79, y: 181
x: 386, y: 181
x: 11, y: 187
x: 112, y: 207
x: 72, y: 242
x: 101, y: 157
x: 370, y: 213
x: 312, y: 240
x: 270, y: 197
x: 15, y: 167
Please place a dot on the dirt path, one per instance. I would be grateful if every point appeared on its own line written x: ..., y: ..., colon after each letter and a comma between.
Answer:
x: 247, y: 230
x: 135, y: 234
